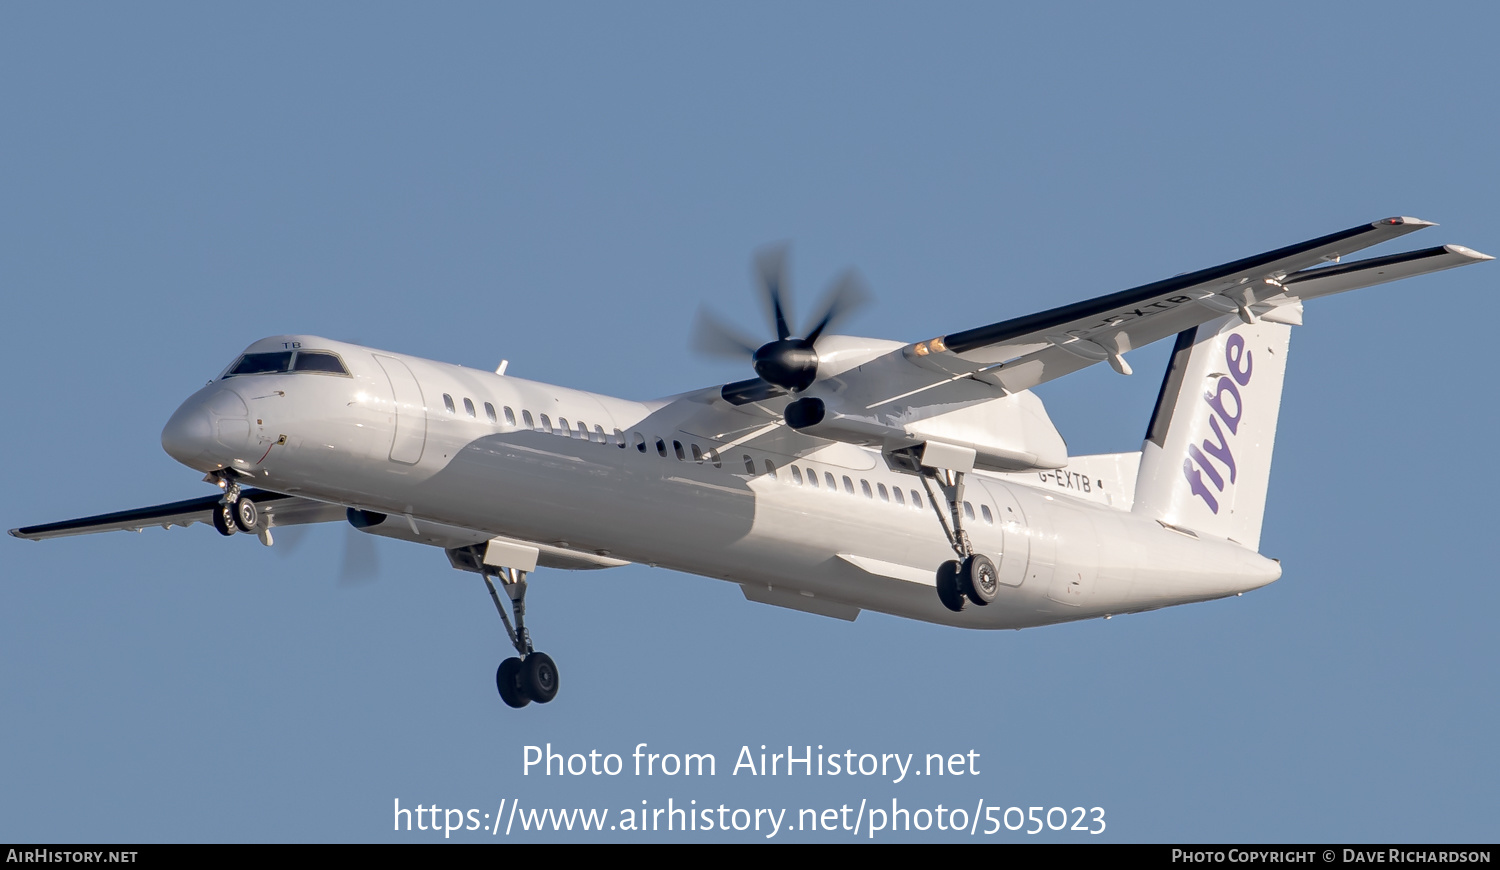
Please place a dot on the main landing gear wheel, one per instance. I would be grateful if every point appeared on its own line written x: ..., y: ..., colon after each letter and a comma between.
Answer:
x: 508, y: 681
x: 246, y: 515
x: 977, y: 579
x: 539, y: 673
x: 223, y: 517
x: 947, y: 586
x: 532, y: 676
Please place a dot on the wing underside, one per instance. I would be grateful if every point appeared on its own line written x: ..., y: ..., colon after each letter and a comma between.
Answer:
x: 282, y: 510
x: 1018, y: 354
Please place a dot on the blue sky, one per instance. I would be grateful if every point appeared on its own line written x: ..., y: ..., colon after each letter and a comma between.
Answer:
x: 563, y: 187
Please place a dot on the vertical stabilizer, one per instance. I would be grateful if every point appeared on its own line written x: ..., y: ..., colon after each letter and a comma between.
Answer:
x: 1206, y: 462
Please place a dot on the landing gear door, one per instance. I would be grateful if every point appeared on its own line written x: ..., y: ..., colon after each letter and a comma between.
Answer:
x: 410, y: 436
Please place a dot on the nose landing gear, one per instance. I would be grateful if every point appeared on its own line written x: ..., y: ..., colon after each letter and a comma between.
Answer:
x: 237, y: 512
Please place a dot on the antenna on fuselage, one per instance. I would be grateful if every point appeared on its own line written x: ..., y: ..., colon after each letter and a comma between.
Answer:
x: 501, y: 369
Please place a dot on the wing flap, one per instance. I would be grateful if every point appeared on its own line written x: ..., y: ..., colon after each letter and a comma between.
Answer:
x: 283, y: 510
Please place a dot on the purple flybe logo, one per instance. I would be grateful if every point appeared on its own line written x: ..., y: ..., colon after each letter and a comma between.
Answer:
x: 1227, y: 410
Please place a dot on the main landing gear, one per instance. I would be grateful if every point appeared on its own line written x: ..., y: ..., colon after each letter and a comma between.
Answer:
x: 533, y: 676
x: 972, y: 577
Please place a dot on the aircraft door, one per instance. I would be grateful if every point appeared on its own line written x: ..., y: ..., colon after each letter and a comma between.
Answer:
x: 1011, y: 566
x: 410, y: 435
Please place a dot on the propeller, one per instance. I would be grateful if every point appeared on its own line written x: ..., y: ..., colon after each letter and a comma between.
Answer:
x: 787, y: 362
x: 360, y: 562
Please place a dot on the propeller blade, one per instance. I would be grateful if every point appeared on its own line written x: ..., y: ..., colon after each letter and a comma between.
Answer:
x: 770, y: 268
x: 714, y: 337
x: 361, y: 562
x: 288, y: 538
x: 847, y: 295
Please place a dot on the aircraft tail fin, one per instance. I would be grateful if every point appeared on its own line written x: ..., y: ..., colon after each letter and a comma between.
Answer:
x: 1206, y: 462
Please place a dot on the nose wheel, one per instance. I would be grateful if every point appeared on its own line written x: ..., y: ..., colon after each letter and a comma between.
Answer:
x: 533, y: 675
x: 236, y: 513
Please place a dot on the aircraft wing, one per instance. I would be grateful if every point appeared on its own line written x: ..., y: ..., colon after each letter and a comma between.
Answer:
x: 283, y: 510
x: 1018, y: 354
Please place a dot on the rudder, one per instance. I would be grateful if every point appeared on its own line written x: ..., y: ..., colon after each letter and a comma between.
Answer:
x: 1206, y: 463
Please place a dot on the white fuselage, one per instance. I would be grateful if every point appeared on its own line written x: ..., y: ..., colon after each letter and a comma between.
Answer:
x: 686, y: 483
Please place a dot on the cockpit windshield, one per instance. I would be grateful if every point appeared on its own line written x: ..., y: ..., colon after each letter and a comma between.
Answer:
x: 282, y: 361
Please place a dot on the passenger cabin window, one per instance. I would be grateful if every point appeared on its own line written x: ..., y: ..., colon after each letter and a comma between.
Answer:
x: 848, y: 485
x: 770, y: 468
x: 640, y: 441
x: 469, y: 408
x: 677, y: 448
x: 510, y: 416
x: 713, y: 456
x: 968, y: 511
x: 619, y: 439
x: 749, y: 464
x: 796, y: 475
x: 448, y: 403
x: 865, y: 486
x: 526, y: 415
x: 661, y: 448
x: 916, y: 499
x: 489, y: 411
x: 989, y: 518
x: 697, y: 454
x: 812, y: 478
x: 884, y: 496
x: 896, y: 494
x: 546, y: 424
x: 832, y: 484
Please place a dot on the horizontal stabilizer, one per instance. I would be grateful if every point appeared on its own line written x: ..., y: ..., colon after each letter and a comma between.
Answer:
x: 1327, y: 280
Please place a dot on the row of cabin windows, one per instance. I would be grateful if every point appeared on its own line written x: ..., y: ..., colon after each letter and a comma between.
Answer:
x: 798, y: 476
x: 563, y: 427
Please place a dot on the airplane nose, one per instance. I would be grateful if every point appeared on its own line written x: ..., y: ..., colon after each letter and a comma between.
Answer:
x: 189, y: 433
x: 206, y: 423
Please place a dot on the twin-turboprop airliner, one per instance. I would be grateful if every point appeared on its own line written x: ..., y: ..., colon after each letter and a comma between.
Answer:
x: 923, y: 480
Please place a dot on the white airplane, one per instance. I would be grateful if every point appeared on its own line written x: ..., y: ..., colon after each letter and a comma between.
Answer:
x: 923, y: 480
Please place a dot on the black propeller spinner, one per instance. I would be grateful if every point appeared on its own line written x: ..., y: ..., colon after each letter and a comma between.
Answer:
x: 788, y: 362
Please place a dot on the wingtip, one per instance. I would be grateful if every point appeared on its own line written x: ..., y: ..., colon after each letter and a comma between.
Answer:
x: 1467, y: 252
x: 1415, y: 223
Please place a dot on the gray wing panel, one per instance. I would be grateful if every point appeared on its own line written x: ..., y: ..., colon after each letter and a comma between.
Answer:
x: 285, y: 510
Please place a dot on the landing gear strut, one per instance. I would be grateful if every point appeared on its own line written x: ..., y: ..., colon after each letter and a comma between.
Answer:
x: 972, y: 577
x: 234, y: 514
x: 532, y: 676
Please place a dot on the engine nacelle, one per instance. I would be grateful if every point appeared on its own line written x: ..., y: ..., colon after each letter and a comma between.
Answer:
x: 1010, y: 433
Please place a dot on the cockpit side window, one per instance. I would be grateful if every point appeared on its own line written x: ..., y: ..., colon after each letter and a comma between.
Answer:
x: 318, y: 361
x: 262, y: 364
